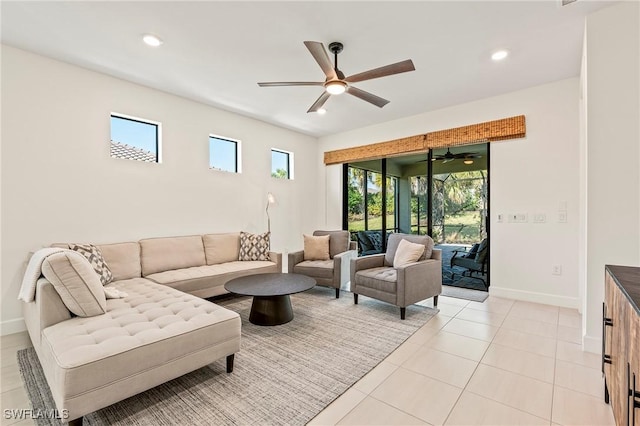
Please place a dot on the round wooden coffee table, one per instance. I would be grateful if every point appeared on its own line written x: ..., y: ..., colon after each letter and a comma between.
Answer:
x: 271, y: 302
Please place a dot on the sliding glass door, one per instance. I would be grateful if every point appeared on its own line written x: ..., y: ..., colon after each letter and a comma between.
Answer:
x: 443, y: 193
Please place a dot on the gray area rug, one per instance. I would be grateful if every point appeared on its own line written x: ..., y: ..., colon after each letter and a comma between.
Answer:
x: 283, y: 375
x: 464, y: 293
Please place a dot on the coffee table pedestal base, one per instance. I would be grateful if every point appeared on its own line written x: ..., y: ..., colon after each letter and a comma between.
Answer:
x: 271, y: 310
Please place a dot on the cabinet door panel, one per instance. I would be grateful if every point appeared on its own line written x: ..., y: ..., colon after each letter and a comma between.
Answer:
x: 634, y: 358
x: 617, y: 345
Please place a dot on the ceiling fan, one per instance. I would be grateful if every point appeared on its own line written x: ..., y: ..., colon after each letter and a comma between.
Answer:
x: 449, y: 156
x: 336, y: 82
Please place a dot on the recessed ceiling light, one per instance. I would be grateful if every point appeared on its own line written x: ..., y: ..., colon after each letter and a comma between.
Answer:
x: 321, y: 111
x: 499, y: 55
x: 151, y: 40
x: 468, y: 161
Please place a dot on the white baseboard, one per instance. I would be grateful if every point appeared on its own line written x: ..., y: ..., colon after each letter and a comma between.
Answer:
x: 592, y: 344
x: 531, y: 296
x: 12, y: 326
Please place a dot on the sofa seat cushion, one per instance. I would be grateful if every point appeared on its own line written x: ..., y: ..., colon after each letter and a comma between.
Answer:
x: 315, y: 268
x: 210, y: 277
x: 152, y: 326
x: 383, y: 279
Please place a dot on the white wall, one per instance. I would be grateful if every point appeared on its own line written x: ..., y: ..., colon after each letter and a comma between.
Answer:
x: 612, y: 150
x: 60, y: 184
x: 530, y: 175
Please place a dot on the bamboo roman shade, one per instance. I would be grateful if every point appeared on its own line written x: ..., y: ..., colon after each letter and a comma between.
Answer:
x: 489, y: 131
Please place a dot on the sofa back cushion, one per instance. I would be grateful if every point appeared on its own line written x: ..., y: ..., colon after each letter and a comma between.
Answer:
x: 394, y: 241
x: 77, y: 283
x: 123, y: 260
x: 163, y: 254
x: 338, y: 241
x: 221, y: 248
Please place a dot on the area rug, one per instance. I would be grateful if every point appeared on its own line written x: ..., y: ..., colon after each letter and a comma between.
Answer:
x: 283, y: 375
x: 472, y: 283
x: 464, y: 293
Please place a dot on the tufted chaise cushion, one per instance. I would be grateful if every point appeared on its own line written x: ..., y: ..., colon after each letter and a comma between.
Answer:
x: 154, y: 326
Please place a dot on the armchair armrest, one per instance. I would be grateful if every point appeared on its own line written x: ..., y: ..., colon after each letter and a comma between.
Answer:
x: 293, y: 259
x: 341, y: 267
x: 277, y: 258
x: 418, y: 281
x: 436, y: 254
x: 365, y: 262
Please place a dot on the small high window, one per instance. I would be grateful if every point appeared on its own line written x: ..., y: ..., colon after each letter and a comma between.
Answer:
x: 224, y: 154
x: 135, y: 139
x: 281, y: 164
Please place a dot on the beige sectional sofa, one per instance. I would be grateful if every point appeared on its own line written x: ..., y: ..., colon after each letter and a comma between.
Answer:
x: 161, y: 330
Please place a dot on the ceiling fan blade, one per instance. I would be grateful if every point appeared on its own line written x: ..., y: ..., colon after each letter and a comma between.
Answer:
x: 392, y: 69
x: 366, y: 96
x: 291, y: 83
x: 319, y: 102
x: 319, y: 53
x: 446, y: 160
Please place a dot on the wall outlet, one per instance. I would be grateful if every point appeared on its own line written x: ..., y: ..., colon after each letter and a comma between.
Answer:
x: 518, y: 217
x: 539, y: 218
x: 556, y: 270
x: 562, y: 217
x: 500, y: 218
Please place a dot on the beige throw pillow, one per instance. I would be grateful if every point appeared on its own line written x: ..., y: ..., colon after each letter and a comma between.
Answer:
x: 76, y: 282
x: 316, y: 248
x: 407, y: 253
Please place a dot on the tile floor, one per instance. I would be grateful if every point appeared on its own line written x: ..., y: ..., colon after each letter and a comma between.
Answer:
x: 501, y: 362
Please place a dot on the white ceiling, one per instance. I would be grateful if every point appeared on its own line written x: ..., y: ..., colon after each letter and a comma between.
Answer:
x: 215, y: 52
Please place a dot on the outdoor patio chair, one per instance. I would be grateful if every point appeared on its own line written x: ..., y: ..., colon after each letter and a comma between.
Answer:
x: 474, y: 261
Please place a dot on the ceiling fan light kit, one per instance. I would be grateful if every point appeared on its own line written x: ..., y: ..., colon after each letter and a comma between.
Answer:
x: 335, y: 87
x: 335, y: 81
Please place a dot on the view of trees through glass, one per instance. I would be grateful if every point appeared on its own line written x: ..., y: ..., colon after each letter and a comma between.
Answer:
x: 458, y: 190
x: 459, y: 207
x: 365, y: 200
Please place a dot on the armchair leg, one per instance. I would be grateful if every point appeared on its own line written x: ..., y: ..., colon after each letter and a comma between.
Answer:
x: 355, y: 298
x: 337, y: 293
x: 435, y: 301
x: 403, y: 312
x: 230, y: 363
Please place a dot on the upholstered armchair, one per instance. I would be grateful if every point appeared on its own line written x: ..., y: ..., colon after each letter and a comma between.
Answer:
x: 330, y: 269
x: 375, y: 276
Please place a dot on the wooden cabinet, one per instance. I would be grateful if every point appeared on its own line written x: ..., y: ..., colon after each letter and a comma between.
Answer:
x: 621, y: 343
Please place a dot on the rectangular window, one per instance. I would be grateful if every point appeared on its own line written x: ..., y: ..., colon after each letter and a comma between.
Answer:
x: 135, y: 139
x: 281, y: 164
x: 224, y: 154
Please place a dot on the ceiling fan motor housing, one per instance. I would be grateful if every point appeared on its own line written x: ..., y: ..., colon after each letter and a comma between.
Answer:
x: 335, y: 47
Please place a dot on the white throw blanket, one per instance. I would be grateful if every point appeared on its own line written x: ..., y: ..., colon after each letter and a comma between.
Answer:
x: 34, y: 272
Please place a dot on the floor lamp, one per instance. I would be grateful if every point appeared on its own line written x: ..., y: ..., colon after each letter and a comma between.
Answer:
x: 270, y: 200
